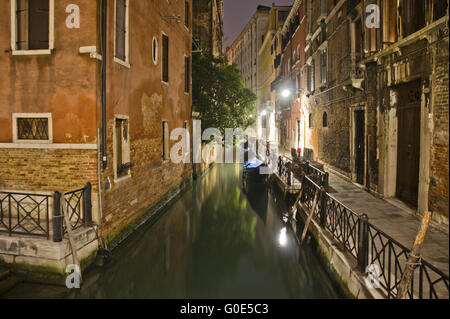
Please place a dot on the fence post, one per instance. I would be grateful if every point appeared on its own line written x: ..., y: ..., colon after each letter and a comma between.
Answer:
x: 57, y: 218
x: 323, y: 208
x: 363, y: 242
x: 326, y: 181
x: 87, y: 205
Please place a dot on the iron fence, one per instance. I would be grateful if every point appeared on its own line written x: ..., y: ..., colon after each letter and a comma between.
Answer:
x: 289, y: 170
x: 24, y: 214
x: 391, y: 257
x: 29, y: 214
x: 371, y: 246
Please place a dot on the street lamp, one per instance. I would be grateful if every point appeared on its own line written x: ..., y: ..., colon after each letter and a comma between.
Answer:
x: 286, y: 93
x: 264, y: 113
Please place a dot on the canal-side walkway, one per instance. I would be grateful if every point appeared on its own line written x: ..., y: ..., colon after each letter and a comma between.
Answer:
x: 393, y: 220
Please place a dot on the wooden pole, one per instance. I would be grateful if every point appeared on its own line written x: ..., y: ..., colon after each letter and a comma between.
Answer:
x: 414, y: 258
x: 299, y: 197
x: 308, y: 221
x: 73, y: 247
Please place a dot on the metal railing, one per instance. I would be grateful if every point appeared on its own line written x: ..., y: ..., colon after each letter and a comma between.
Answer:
x: 288, y: 170
x: 24, y: 214
x: 29, y: 214
x: 78, y: 204
x: 371, y: 246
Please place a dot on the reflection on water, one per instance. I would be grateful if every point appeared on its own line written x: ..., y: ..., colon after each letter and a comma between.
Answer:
x: 216, y: 241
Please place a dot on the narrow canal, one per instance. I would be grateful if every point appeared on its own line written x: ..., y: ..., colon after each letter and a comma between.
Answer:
x: 215, y: 241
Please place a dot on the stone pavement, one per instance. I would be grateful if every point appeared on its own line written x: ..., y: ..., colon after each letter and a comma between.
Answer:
x: 394, y: 221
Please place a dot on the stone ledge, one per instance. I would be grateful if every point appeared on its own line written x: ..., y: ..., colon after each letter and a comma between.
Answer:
x: 46, y: 253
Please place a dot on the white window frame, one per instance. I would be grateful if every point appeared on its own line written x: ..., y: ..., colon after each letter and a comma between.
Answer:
x: 126, y: 118
x: 125, y: 63
x: 32, y: 116
x: 51, y: 28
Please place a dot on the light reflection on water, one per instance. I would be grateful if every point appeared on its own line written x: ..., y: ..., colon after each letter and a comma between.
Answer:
x: 216, y: 241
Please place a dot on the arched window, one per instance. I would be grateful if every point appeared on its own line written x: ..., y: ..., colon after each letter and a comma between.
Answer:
x: 310, y: 120
x: 325, y: 119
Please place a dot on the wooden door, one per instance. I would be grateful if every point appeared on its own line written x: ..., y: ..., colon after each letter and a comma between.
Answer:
x: 408, y: 152
x: 360, y: 124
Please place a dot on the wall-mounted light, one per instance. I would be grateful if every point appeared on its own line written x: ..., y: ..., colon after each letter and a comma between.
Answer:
x: 286, y: 93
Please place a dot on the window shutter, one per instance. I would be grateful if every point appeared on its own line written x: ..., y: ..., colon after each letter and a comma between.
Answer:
x: 21, y: 25
x: 186, y: 13
x: 120, y: 29
x: 38, y: 25
x: 165, y: 64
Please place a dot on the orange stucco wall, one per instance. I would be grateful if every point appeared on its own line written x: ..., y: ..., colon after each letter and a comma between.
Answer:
x: 63, y: 83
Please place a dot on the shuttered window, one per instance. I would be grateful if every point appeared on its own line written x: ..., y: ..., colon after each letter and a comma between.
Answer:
x: 121, y: 30
x: 187, y: 70
x: 165, y: 58
x: 186, y: 14
x: 32, y: 24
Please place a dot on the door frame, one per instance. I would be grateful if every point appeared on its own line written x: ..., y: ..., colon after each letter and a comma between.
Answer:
x: 389, y: 188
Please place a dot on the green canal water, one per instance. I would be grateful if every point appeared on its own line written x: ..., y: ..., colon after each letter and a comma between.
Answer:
x: 215, y: 241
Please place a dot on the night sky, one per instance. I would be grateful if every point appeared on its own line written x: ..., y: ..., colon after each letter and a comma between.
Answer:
x: 238, y: 13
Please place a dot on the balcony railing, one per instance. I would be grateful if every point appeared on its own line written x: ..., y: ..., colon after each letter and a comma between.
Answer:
x: 29, y: 214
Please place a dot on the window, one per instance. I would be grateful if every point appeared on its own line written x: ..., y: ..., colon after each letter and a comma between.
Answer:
x: 325, y: 119
x: 165, y: 140
x: 32, y: 127
x: 412, y: 16
x: 310, y: 120
x: 323, y: 66
x: 165, y: 58
x: 299, y: 80
x: 122, y: 165
x: 121, y: 32
x: 389, y: 22
x: 187, y: 67
x: 155, y: 51
x: 32, y: 26
x: 186, y: 14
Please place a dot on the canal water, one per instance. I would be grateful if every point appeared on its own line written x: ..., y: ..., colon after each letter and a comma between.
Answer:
x: 215, y: 241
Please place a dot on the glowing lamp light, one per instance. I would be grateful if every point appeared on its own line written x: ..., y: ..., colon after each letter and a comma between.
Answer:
x: 264, y: 113
x: 283, y: 238
x: 286, y: 93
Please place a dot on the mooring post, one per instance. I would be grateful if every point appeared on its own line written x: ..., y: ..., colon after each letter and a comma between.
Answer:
x: 87, y: 205
x: 57, y: 220
x: 363, y: 242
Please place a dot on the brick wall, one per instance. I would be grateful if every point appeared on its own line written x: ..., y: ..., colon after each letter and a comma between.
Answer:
x: 439, y: 163
x: 47, y: 169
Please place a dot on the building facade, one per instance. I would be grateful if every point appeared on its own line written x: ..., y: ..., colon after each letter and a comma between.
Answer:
x: 376, y: 94
x: 87, y: 97
x: 290, y: 83
x: 244, y: 50
x: 208, y: 26
x: 267, y: 73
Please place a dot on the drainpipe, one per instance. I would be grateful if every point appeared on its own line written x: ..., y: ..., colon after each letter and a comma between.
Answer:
x: 103, y: 88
